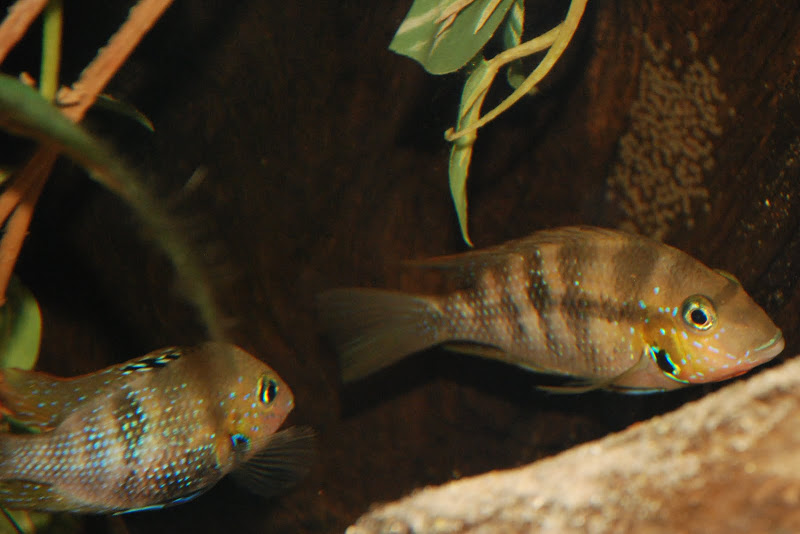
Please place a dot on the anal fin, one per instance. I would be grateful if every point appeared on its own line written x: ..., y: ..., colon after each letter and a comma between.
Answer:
x: 590, y: 384
x: 159, y: 506
x: 19, y: 494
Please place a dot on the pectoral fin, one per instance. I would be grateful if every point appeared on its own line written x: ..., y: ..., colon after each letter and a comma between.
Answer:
x: 474, y: 349
x: 575, y: 387
x: 281, y: 464
x: 588, y: 384
x: 494, y: 353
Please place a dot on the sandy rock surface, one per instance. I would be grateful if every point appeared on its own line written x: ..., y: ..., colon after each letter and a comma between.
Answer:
x: 727, y: 463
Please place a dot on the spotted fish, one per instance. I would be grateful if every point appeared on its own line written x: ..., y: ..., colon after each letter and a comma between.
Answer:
x: 610, y: 309
x: 147, y: 433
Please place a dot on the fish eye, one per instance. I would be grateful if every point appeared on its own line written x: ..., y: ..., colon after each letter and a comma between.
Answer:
x: 267, y: 390
x: 240, y: 443
x: 698, y: 312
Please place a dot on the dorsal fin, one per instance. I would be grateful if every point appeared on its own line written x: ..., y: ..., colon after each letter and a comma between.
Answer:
x: 462, y: 263
x: 40, y: 401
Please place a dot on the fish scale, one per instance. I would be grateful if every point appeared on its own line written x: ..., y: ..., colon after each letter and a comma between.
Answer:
x: 609, y: 308
x: 148, y: 433
x: 552, y: 310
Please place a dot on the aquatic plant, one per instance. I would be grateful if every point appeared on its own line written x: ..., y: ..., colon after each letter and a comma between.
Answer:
x: 41, y: 115
x: 26, y: 112
x: 445, y: 36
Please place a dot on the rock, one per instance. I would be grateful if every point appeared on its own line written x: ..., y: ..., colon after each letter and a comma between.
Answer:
x: 729, y: 462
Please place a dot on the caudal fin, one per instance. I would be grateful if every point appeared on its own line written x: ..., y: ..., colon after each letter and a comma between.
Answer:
x: 373, y: 328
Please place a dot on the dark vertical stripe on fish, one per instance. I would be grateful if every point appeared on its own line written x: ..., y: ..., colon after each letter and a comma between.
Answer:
x: 574, y: 260
x: 514, y: 275
x: 634, y: 265
x: 541, y: 297
x: 133, y: 426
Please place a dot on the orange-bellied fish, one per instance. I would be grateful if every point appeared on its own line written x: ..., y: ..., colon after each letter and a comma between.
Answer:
x: 611, y: 309
x: 151, y: 432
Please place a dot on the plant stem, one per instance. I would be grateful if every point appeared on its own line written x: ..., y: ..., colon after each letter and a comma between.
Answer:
x: 30, y: 180
x: 51, y: 49
x: 565, y: 33
x: 23, y: 192
x: 94, y: 78
x: 20, y: 16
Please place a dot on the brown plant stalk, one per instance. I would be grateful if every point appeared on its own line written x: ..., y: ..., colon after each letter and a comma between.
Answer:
x: 18, y: 200
x: 20, y: 16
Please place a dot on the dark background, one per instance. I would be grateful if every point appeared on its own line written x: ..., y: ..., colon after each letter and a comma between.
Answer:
x: 324, y: 165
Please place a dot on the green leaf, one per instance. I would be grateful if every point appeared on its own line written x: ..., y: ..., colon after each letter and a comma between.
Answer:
x: 443, y: 36
x: 512, y: 36
x: 24, y: 112
x: 475, y: 90
x: 20, y: 327
x: 512, y: 29
x: 125, y: 109
x: 5, y: 174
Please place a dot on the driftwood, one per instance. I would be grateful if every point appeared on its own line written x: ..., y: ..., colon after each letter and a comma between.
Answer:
x: 727, y: 463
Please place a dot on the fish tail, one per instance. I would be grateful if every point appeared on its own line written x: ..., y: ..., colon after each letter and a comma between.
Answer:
x: 373, y: 329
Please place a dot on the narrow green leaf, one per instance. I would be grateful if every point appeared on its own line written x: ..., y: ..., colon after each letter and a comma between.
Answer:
x: 512, y: 36
x: 443, y: 36
x: 125, y: 109
x: 514, y: 24
x: 475, y: 90
x: 24, y: 112
x: 20, y: 327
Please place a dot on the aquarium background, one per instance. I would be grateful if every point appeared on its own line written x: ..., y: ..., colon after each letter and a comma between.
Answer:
x: 301, y: 154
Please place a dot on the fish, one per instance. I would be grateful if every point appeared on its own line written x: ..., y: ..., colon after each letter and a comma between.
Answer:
x: 607, y: 309
x: 151, y: 432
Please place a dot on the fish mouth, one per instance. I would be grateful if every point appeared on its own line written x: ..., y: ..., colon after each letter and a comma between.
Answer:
x: 770, y: 349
